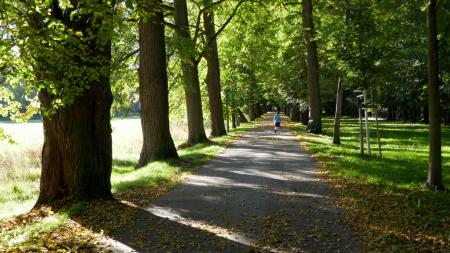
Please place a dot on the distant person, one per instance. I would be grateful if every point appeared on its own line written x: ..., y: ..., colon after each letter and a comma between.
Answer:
x: 277, y: 121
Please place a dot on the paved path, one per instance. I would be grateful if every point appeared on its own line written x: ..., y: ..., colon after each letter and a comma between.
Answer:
x: 262, y: 194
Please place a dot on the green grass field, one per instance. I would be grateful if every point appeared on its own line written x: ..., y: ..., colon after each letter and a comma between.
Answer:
x: 73, y: 228
x: 20, y: 162
x: 387, y: 197
x: 404, y: 150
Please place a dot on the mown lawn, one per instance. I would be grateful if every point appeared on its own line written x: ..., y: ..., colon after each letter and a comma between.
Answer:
x: 387, y: 198
x: 79, y: 227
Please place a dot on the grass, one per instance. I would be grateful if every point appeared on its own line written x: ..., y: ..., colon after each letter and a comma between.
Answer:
x: 20, y: 162
x: 44, y: 229
x: 387, y: 198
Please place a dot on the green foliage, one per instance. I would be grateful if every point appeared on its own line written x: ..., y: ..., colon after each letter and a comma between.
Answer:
x: 250, y: 51
x: 58, y: 47
x: 125, y: 62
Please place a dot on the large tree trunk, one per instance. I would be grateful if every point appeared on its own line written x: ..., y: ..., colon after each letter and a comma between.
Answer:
x: 196, y: 129
x: 213, y: 75
x: 77, y: 151
x: 434, y: 180
x: 314, y: 123
x: 337, y: 116
x: 153, y: 88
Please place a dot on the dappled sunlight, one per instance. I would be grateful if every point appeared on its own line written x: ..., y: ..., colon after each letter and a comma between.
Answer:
x: 218, y: 182
x: 404, y: 149
x: 173, y: 215
x: 374, y: 190
x: 299, y: 194
x: 278, y: 175
x: 252, y: 193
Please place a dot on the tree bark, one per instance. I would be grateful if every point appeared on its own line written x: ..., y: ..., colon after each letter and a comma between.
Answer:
x: 153, y: 88
x: 213, y: 75
x: 378, y: 131
x: 196, y: 129
x: 295, y: 113
x: 361, y: 133
x: 434, y: 180
x: 304, y: 117
x: 256, y: 110
x: 77, y: 151
x: 314, y: 123
x: 337, y: 117
x: 251, y: 112
x: 426, y: 114
x: 233, y: 119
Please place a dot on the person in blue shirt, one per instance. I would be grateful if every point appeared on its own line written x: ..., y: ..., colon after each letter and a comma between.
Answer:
x: 277, y: 121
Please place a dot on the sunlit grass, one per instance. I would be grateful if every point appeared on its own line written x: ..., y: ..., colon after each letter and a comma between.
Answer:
x: 21, y: 194
x: 404, y: 160
x: 20, y: 162
x: 22, y: 234
x: 171, y: 171
x: 387, y: 198
x: 42, y: 229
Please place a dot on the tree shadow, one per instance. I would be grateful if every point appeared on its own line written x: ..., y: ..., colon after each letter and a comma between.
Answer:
x: 404, y: 148
x: 262, y: 195
x: 130, y: 228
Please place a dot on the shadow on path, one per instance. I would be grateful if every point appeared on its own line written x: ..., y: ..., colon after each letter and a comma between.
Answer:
x: 261, y: 194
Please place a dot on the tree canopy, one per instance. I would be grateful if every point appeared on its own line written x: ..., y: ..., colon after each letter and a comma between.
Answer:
x: 221, y: 58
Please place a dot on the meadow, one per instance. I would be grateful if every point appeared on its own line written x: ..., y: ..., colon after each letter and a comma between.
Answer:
x: 387, y: 197
x: 20, y: 161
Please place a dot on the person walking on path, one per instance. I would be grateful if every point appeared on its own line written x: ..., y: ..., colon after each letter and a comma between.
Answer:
x: 277, y: 121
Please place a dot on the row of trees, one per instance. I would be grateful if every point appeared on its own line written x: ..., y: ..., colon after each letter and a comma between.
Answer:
x: 382, y: 47
x: 69, y: 53
x: 77, y: 55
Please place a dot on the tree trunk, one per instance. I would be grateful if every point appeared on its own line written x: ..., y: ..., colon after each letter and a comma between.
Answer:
x: 233, y: 119
x: 295, y: 113
x: 314, y: 123
x: 153, y: 89
x: 390, y: 112
x: 337, y: 116
x: 434, y: 180
x: 257, y: 111
x: 378, y: 131
x: 77, y: 151
x: 242, y: 118
x: 426, y: 114
x: 213, y: 75
x: 196, y: 129
x: 251, y: 112
x: 361, y: 133
x: 304, y: 117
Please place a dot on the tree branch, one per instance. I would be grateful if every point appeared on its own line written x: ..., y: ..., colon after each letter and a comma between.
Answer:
x: 444, y: 35
x: 128, y: 56
x: 168, y: 24
x: 199, y: 17
x: 203, y: 53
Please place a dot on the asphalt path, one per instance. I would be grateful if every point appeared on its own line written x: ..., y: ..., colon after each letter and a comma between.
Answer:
x: 262, y: 194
